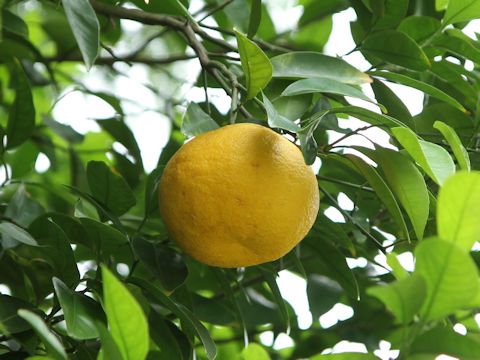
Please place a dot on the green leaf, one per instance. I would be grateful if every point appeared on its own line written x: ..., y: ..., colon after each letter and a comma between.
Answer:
x: 21, y: 117
x: 275, y: 120
x: 382, y: 190
x: 406, y: 182
x: 299, y: 65
x: 454, y: 42
x: 105, y: 240
x: 455, y: 143
x: 334, y: 265
x: 64, y: 131
x: 255, y: 64
x: 397, y: 269
x: 167, y: 265
x: 433, y: 159
x: 188, y: 319
x: 324, y: 85
x: 128, y: 325
x: 16, y: 233
x: 13, y: 23
x: 109, y: 348
x: 419, y: 85
x: 442, y: 340
x: 397, y: 48
x: 368, y: 116
x: 392, y: 12
x: 109, y: 189
x: 10, y: 322
x: 53, y: 345
x: 196, y: 121
x: 269, y: 275
x: 441, y: 4
x: 404, y: 298
x: 461, y: 10
x: 85, y: 27
x: 151, y: 190
x: 255, y: 18
x: 451, y: 277
x: 457, y: 209
x: 345, y: 356
x: 323, y: 293
x: 254, y: 352
x: 419, y: 28
x: 395, y: 107
x: 80, y: 312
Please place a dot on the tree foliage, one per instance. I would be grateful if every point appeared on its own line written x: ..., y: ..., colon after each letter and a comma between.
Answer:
x: 87, y: 270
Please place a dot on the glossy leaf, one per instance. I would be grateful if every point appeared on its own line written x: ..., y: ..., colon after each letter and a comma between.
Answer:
x: 306, y: 65
x: 397, y: 48
x: 85, y: 27
x: 458, y: 200
x: 404, y: 298
x: 16, y: 233
x: 275, y: 120
x: 53, y: 345
x: 433, y: 159
x: 394, y: 105
x: 324, y: 85
x: 406, y: 183
x: 196, y: 121
x: 455, y: 144
x: 183, y: 314
x: 450, y: 275
x: 419, y: 85
x: 80, y: 312
x: 461, y: 10
x: 463, y: 47
x: 382, y: 190
x: 21, y: 117
x: 110, y: 189
x: 167, y: 265
x: 128, y: 325
x: 255, y: 64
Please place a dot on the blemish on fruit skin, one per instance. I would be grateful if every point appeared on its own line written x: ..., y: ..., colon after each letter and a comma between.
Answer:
x: 255, y: 164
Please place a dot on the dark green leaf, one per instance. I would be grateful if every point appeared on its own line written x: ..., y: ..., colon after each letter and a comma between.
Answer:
x: 397, y: 48
x: 64, y: 131
x: 21, y: 117
x: 255, y: 64
x: 85, y: 27
x: 323, y: 293
x: 10, y: 322
x: 383, y: 191
x: 458, y: 45
x: 108, y: 188
x: 255, y: 18
x: 128, y: 325
x: 167, y: 265
x: 395, y: 107
x: 183, y: 314
x: 269, y: 275
x: 298, y: 65
x: 80, y: 312
x: 196, y: 121
x: 53, y: 345
x: 392, y: 13
x: 420, y: 85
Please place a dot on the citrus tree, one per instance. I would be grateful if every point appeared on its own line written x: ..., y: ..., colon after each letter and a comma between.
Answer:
x: 90, y: 270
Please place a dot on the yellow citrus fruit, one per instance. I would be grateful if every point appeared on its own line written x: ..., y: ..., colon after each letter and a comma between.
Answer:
x: 238, y: 196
